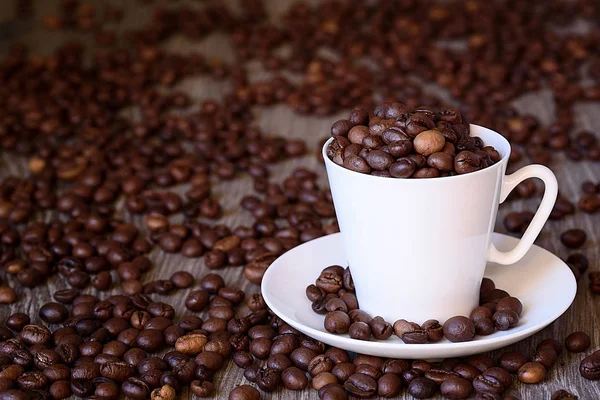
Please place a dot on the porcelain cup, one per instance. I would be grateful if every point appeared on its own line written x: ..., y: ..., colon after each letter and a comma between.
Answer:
x: 418, y: 248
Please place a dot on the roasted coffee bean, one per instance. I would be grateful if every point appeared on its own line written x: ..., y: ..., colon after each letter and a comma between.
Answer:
x: 267, y: 379
x: 202, y: 388
x: 337, y: 322
x: 551, y: 344
x: 17, y: 321
x: 492, y: 380
x: 301, y: 357
x: 459, y: 329
x: 456, y: 388
x: 135, y: 388
x: 512, y: 361
x: 532, y: 372
x: 389, y: 385
x: 244, y: 392
x: 481, y: 361
x: 505, y: 319
x: 510, y: 304
x: 546, y: 357
x: 191, y: 344
x: 380, y: 329
x: 563, y: 395
x: 573, y: 238
x: 422, y: 388
x: 577, y: 342
x: 361, y: 385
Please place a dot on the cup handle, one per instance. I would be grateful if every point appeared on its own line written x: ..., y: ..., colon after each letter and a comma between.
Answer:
x: 550, y: 192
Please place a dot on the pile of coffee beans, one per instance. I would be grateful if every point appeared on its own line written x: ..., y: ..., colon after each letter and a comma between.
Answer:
x: 405, y: 142
x: 93, y: 174
x: 333, y: 294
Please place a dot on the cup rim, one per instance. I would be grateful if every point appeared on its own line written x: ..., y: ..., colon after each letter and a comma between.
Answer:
x: 499, y: 164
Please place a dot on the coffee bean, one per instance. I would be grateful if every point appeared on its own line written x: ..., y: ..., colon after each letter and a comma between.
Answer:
x: 422, y: 388
x: 267, y: 379
x: 135, y: 388
x: 182, y: 279
x: 511, y: 304
x: 532, y: 372
x: 164, y: 392
x: 17, y: 321
x: 577, y: 342
x: 361, y: 385
x: 244, y: 392
x: 459, y: 329
x: 512, y: 361
x: 505, y: 319
x: 332, y: 392
x: 551, y: 344
x: 563, y: 395
x: 360, y: 331
x: 456, y: 388
x: 53, y: 313
x: 337, y: 322
x: 573, y: 238
x: 197, y: 300
x: 202, y: 388
x: 191, y: 344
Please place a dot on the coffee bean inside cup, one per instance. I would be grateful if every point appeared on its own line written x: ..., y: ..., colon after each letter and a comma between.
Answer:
x: 388, y: 143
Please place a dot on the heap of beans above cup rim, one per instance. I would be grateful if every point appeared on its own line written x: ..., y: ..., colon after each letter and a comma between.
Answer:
x: 401, y: 142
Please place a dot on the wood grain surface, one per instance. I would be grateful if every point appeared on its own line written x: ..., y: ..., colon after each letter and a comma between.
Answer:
x: 582, y: 315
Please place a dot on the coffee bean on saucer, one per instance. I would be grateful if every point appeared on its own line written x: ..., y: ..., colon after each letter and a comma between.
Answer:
x: 510, y: 303
x: 360, y: 331
x: 337, y: 322
x: 577, y: 342
x: 505, y: 319
x: 459, y: 329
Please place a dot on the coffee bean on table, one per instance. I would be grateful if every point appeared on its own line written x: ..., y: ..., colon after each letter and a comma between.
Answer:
x: 456, y: 388
x: 562, y: 394
x: 573, y: 238
x: 294, y: 379
x: 512, y: 361
x: 361, y: 385
x: 389, y: 385
x: 577, y: 342
x: 589, y: 367
x: 546, y: 357
x: 532, y: 372
x: 244, y: 392
x: 552, y: 344
x: 422, y: 388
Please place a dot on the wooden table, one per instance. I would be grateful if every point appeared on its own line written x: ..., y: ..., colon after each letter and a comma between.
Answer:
x: 582, y: 315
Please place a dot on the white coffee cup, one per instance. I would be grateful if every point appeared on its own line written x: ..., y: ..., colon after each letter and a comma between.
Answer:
x: 417, y: 248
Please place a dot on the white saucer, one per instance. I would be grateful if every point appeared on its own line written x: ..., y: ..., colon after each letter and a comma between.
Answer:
x: 543, y: 282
